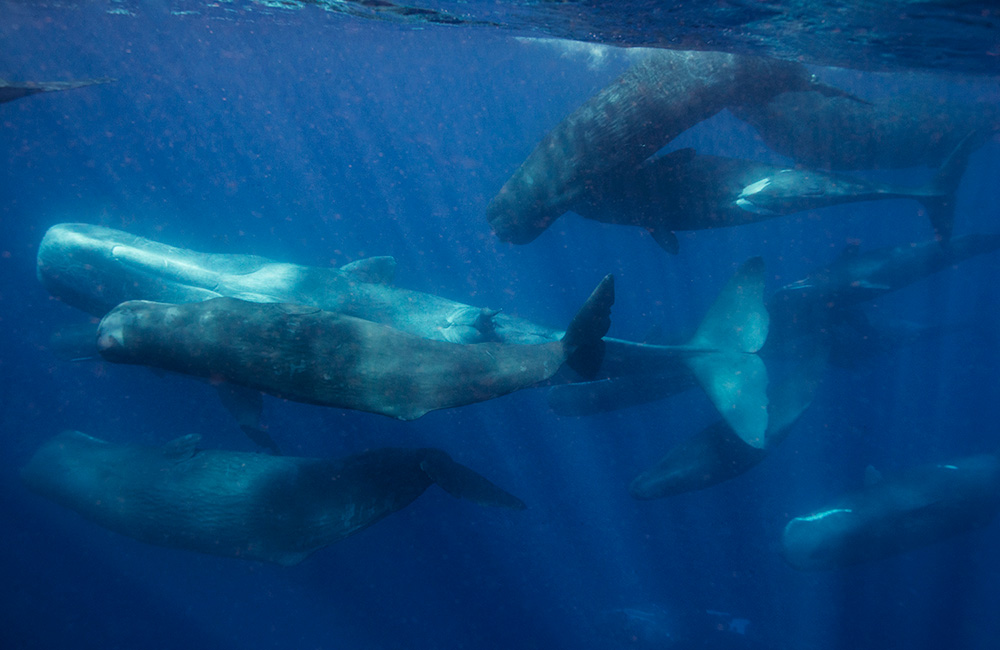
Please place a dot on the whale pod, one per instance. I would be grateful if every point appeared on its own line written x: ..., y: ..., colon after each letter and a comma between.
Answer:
x: 627, y: 122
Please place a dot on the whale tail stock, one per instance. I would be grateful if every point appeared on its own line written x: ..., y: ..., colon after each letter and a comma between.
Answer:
x: 723, y: 353
x: 463, y: 483
x: 939, y: 196
x: 584, y: 335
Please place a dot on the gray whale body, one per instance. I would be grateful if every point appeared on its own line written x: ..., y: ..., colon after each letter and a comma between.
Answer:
x: 242, y: 505
x: 326, y: 358
x: 915, y: 508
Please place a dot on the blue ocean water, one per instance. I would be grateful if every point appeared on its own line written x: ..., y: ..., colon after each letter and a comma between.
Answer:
x: 320, y: 139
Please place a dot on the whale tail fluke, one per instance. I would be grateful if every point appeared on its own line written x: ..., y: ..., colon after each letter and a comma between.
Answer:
x: 724, y: 359
x: 461, y: 482
x: 591, y: 323
x: 940, y: 199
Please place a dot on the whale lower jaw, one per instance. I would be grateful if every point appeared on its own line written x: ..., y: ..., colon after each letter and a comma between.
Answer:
x: 749, y: 206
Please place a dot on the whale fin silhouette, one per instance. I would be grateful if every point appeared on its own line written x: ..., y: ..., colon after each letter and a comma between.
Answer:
x: 587, y: 328
x: 461, y: 482
x: 246, y: 404
x: 375, y: 270
x: 940, y: 199
x: 666, y: 239
x: 733, y: 330
x: 11, y: 90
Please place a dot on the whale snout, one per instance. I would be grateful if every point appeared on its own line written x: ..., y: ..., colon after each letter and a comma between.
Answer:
x: 111, y: 333
x: 519, y: 217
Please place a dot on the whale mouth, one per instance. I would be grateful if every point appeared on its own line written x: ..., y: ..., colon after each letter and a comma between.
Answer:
x: 111, y: 334
x: 749, y: 206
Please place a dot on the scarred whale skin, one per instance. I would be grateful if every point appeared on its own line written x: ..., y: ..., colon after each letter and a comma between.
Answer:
x: 319, y: 357
x: 625, y: 123
x: 896, y: 514
x: 253, y: 506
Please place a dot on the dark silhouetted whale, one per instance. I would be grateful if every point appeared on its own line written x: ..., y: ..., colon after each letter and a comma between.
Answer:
x: 252, y: 506
x: 687, y: 191
x: 896, y: 514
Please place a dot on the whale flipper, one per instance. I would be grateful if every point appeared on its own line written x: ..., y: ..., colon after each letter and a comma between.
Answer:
x: 461, y: 482
x: 666, y: 239
x: 940, y: 203
x: 587, y: 328
x: 733, y: 330
x: 246, y: 405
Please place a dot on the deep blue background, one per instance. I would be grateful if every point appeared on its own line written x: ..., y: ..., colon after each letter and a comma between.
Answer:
x: 319, y: 139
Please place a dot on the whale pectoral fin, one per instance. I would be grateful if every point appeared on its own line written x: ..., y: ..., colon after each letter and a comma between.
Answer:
x: 872, y: 476
x: 737, y: 385
x: 591, y: 323
x: 182, y: 448
x: 246, y: 405
x: 666, y: 239
x: 461, y: 482
x: 376, y: 270
x: 940, y: 197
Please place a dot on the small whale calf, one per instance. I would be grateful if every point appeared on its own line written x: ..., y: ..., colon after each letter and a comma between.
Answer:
x: 11, y: 90
x: 896, y: 514
x: 628, y: 121
x: 252, y: 506
x: 310, y: 355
